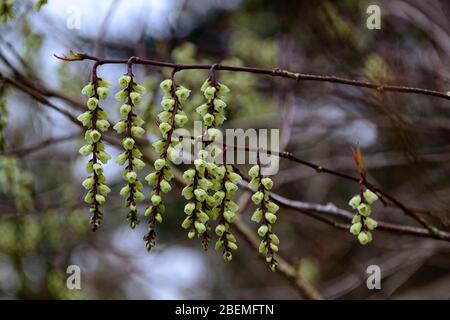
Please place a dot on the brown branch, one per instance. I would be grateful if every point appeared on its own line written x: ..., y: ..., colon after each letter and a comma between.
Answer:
x: 393, y: 202
x: 276, y: 72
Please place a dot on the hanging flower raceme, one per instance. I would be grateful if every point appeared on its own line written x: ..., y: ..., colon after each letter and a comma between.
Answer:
x: 130, y: 127
x: 171, y: 117
x: 95, y: 121
x: 213, y: 111
x: 362, y: 223
x: 265, y: 214
x: 226, y: 210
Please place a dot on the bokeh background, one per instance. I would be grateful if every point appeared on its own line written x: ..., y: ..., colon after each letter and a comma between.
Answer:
x: 404, y: 139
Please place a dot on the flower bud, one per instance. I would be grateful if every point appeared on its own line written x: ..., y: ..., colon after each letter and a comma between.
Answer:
x: 156, y: 199
x: 98, y: 169
x: 257, y: 216
x: 165, y: 186
x: 102, y: 92
x: 219, y: 245
x: 104, y: 189
x: 102, y: 125
x: 230, y: 187
x: 219, y: 105
x: 159, y: 164
x: 364, y: 210
x: 267, y: 183
x: 191, y: 234
x: 189, y: 208
x: 158, y: 146
x: 274, y: 238
x: 86, y: 150
x: 270, y: 217
x: 103, y: 156
x: 181, y: 119
x: 223, y: 90
x: 187, y: 223
x: 370, y: 196
x: 167, y: 103
x: 135, y: 97
x: 254, y: 171
x: 85, y: 118
x: 120, y: 127
x: 164, y: 116
x: 151, y: 178
x: 88, y: 183
x: 122, y: 158
x: 232, y: 246
x: 104, y: 83
x: 205, y: 85
x: 137, y: 131
x: 95, y: 135
x: 125, y: 110
x: 363, y: 238
x: 257, y: 197
x: 88, y: 90
x: 370, y: 223
x: 189, y: 175
x: 208, y: 119
x: 355, y: 202
x: 92, y: 103
x: 356, y: 218
x: 166, y: 85
x: 200, y: 165
x: 128, y: 143
x: 209, y: 93
x: 100, y: 199
x: 187, y: 192
x: 183, y: 93
x: 202, y: 109
x: 200, y: 195
x: 131, y: 177
x: 263, y: 230
x: 125, y: 190
x: 200, y: 227
x: 164, y: 128
x: 121, y: 95
x: 139, y: 89
x: 124, y: 80
x: 272, y: 207
x: 220, y: 229
x: 138, y: 163
x: 262, y: 247
x: 356, y: 228
x: 229, y: 216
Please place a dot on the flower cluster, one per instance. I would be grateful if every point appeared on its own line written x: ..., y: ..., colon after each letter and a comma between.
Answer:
x: 362, y: 223
x: 226, y: 208
x: 213, y: 111
x: 171, y: 117
x: 6, y: 10
x: 130, y: 127
x: 95, y: 121
x: 265, y: 214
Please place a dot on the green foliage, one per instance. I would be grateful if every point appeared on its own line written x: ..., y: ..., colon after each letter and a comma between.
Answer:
x: 6, y: 10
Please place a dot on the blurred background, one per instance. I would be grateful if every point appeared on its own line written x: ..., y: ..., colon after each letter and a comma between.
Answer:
x: 404, y: 139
